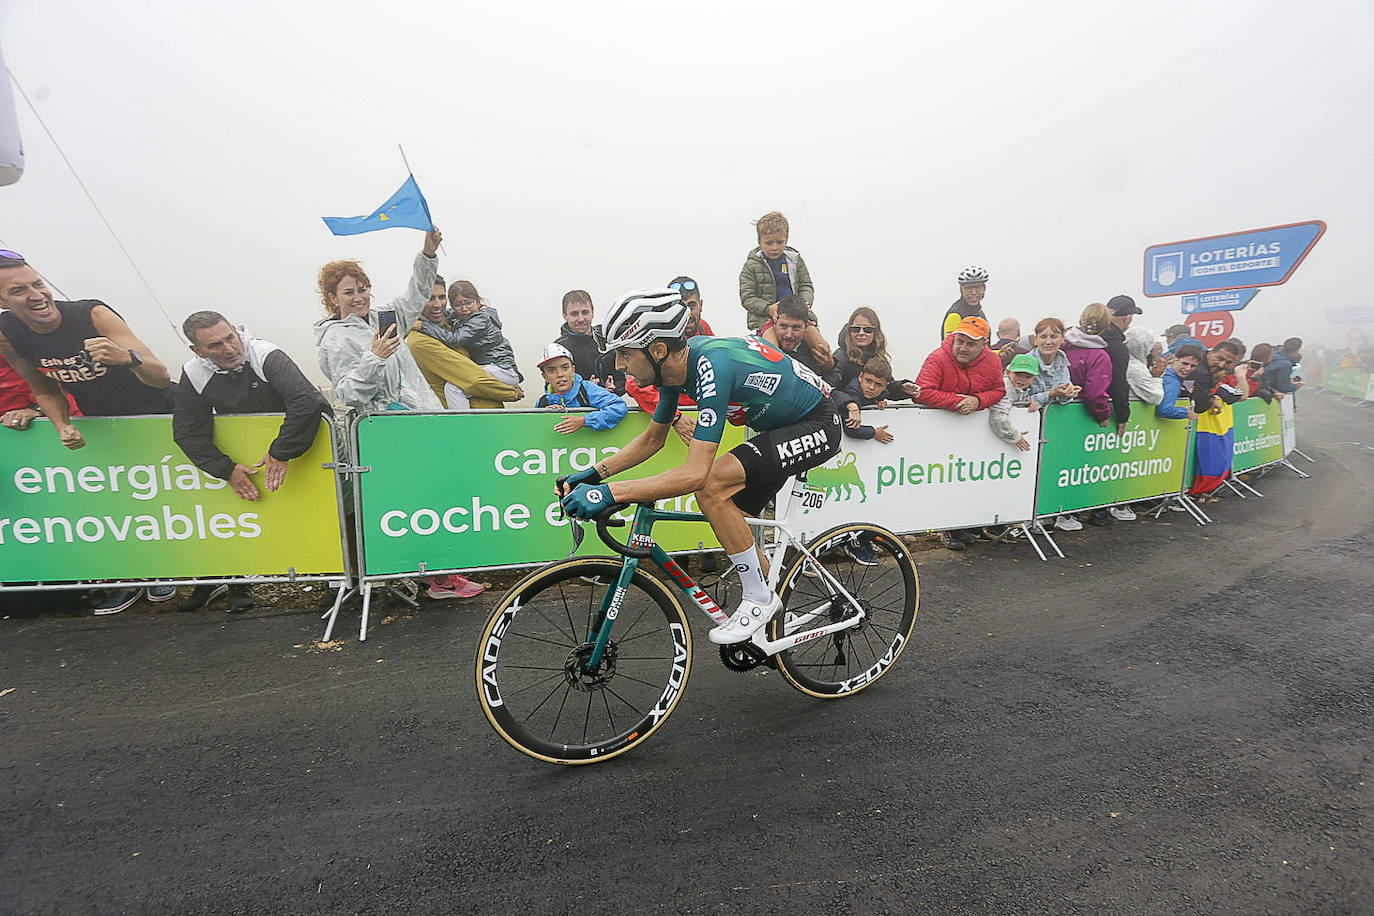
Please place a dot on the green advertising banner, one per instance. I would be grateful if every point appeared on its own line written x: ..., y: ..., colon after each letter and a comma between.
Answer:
x: 1258, y: 434
x: 1084, y: 465
x: 130, y: 505
x: 475, y: 489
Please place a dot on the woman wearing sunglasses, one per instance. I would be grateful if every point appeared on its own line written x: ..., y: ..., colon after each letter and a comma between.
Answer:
x: 861, y: 340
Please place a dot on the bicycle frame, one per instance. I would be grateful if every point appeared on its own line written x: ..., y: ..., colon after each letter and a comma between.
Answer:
x: 640, y: 537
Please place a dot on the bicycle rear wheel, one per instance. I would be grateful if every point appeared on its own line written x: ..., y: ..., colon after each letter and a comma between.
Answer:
x: 889, y: 591
x: 532, y: 680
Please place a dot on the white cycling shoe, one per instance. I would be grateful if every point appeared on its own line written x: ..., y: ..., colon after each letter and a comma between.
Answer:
x: 747, y: 620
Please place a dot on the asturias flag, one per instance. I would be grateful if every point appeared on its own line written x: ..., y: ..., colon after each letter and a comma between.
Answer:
x: 407, y: 207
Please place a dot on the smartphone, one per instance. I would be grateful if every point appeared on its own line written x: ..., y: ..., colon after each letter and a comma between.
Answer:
x: 386, y: 320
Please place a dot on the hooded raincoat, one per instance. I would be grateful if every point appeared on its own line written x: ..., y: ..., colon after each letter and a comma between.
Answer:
x: 365, y: 381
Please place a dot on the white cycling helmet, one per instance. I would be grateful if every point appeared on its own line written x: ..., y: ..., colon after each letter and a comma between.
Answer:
x: 973, y: 275
x: 553, y: 351
x: 642, y: 316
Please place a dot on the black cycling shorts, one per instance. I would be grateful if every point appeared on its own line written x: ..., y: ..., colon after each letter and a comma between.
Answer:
x: 777, y: 454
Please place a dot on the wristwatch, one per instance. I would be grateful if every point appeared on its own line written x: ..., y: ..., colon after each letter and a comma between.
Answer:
x: 134, y: 359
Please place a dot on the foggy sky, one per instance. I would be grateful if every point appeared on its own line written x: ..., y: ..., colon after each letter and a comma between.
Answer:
x: 608, y: 146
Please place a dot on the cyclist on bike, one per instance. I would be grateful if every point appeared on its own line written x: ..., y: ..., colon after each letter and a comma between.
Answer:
x: 742, y: 379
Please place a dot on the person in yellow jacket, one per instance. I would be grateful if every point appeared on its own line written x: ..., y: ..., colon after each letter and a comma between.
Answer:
x: 440, y: 363
x: 973, y: 285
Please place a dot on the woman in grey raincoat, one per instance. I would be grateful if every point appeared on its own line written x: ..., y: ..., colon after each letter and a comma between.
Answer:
x: 373, y: 372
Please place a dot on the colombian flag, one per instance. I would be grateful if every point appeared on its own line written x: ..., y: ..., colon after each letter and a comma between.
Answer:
x: 1213, y: 450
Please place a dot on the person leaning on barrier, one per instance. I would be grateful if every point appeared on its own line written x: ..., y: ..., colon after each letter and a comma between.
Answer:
x: 1053, y: 384
x: 1176, y: 384
x: 235, y: 372
x: 1209, y: 392
x: 1021, y: 371
x: 17, y: 406
x: 446, y: 368
x: 88, y: 348
x: 373, y: 371
x: 963, y: 375
x: 1143, y: 375
x: 1278, y: 372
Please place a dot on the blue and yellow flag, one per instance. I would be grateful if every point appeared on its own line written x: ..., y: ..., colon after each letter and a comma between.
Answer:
x: 407, y: 207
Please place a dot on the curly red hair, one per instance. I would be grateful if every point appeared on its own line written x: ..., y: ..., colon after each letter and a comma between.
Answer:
x: 332, y: 274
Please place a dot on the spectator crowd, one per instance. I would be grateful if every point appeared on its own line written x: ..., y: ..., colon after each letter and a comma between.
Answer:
x: 441, y: 346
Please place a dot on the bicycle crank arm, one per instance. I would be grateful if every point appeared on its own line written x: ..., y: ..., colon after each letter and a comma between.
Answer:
x: 774, y: 646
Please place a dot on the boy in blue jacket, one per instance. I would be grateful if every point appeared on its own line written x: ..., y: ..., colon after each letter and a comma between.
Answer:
x: 566, y: 390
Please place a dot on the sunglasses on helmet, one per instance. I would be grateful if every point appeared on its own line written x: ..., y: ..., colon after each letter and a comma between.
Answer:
x: 8, y: 255
x: 683, y: 286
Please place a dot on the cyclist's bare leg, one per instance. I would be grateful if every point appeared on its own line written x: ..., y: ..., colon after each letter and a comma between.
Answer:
x: 716, y: 503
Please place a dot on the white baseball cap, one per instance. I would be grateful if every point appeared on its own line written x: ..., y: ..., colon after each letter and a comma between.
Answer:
x: 551, y: 352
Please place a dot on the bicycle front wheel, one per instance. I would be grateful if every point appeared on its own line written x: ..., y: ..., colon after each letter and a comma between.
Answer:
x: 885, y: 586
x: 533, y: 677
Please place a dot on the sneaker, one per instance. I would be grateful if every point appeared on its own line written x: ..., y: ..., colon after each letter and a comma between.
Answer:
x: 1122, y: 513
x: 440, y: 588
x: 748, y: 619
x: 159, y: 593
x: 950, y: 540
x: 201, y: 596
x: 465, y: 587
x: 1177, y: 507
x: 712, y: 562
x: 1101, y: 517
x: 240, y: 599
x: 117, y: 600
x: 454, y: 586
x: 1067, y: 523
x: 861, y: 552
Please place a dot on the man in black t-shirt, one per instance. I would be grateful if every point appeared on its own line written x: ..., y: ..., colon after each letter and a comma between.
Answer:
x: 85, y: 348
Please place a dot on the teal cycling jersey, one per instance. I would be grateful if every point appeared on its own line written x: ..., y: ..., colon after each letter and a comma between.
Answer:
x: 726, y: 375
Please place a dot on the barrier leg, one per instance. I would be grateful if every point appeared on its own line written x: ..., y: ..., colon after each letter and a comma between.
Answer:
x: 367, y: 604
x: 1240, y: 483
x: 1298, y: 451
x: 1294, y: 468
x: 1026, y: 533
x: 1202, y: 518
x: 332, y: 615
x: 1045, y: 533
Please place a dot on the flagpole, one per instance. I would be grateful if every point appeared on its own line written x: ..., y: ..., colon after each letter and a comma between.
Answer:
x: 412, y: 175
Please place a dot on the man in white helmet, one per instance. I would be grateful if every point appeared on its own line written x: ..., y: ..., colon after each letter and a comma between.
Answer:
x: 973, y: 285
x: 746, y: 379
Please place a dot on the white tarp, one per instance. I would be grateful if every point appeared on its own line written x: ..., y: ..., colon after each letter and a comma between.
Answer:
x: 942, y: 470
x: 11, y: 148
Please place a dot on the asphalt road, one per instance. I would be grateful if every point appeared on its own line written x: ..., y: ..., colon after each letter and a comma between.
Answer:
x: 1172, y: 720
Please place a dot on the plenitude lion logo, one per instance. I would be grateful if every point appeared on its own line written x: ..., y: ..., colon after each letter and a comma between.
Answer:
x: 839, y: 480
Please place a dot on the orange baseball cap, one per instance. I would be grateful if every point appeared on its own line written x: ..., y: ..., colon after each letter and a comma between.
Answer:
x: 974, y: 327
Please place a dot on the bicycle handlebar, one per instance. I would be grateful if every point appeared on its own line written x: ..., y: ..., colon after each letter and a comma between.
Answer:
x: 606, y: 519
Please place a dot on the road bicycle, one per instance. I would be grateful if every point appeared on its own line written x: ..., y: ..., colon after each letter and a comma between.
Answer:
x: 586, y: 657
